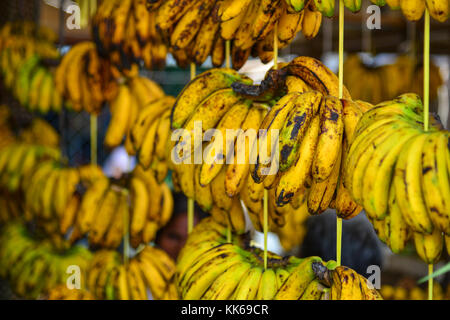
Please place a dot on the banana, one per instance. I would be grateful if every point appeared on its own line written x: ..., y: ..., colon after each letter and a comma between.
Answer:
x: 299, y: 279
x: 171, y: 11
x: 145, y: 119
x: 205, y: 83
x: 219, y: 151
x: 326, y: 7
x: 46, y: 93
x: 35, y: 86
x: 269, y: 130
x: 394, y: 4
x: 288, y: 24
x: 243, y: 37
x: 230, y: 9
x: 429, y: 247
x: 378, y: 173
x: 439, y: 9
x: 89, y: 204
x: 147, y: 149
x: 140, y: 205
x: 237, y: 171
x: 412, y: 9
x: 137, y: 285
x: 203, y: 195
x: 114, y: 234
x: 346, y: 285
x: 189, y: 24
x: 396, y: 227
x: 152, y: 277
x: 269, y: 13
x: 204, y: 40
x: 218, y: 52
x: 294, y: 179
x: 145, y: 91
x: 316, y: 75
x: 104, y: 216
x: 120, y: 114
x: 353, y: 5
x: 313, y: 291
x: 223, y: 287
x: 248, y: 287
x: 161, y: 260
x: 268, y: 285
x: 294, y: 129
x: 219, y: 196
x: 407, y: 180
x: 312, y: 20
x: 297, y: 5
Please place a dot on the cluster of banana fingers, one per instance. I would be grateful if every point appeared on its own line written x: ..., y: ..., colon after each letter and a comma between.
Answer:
x: 211, y: 268
x: 149, y: 274
x: 400, y: 174
x: 303, y: 137
x: 125, y: 32
x: 40, y: 132
x: 110, y: 210
x: 52, y: 194
x: 84, y: 79
x: 413, y: 10
x: 11, y: 207
x: 134, y: 95
x: 18, y: 160
x: 388, y: 81
x: 34, y: 266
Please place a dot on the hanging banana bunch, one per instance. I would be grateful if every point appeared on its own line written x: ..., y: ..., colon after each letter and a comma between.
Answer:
x: 211, y: 268
x: 148, y: 275
x: 400, y: 175
x: 84, y: 79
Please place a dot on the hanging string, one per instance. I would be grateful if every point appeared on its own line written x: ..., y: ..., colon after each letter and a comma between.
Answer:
x: 341, y: 95
x: 426, y: 107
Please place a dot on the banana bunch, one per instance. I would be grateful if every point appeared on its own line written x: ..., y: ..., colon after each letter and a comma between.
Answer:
x: 61, y: 292
x: 304, y: 136
x: 401, y: 292
x: 19, y: 160
x: 84, y: 79
x: 132, y: 98
x: 125, y: 32
x: 388, y: 81
x: 136, y: 206
x: 210, y: 268
x: 148, y: 274
x: 400, y: 175
x: 40, y: 132
x: 51, y: 194
x: 35, y: 266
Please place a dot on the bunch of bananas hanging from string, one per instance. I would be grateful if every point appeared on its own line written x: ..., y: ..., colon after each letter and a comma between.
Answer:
x: 84, y: 79
x: 193, y: 30
x: 413, y: 10
x: 135, y: 206
x: 125, y: 33
x: 149, y: 274
x: 34, y: 266
x: 386, y: 82
x: 309, y: 159
x: 404, y: 292
x: 25, y: 63
x: 211, y: 268
x: 400, y: 174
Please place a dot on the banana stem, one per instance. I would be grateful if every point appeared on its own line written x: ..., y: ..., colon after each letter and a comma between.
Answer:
x: 341, y: 95
x: 426, y: 66
x: 266, y: 224
x: 227, y: 54
x: 430, y: 282
x: 94, y: 130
